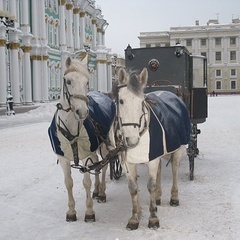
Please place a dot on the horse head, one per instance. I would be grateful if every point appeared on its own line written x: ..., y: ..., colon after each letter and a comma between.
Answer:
x: 75, y: 88
x: 131, y: 111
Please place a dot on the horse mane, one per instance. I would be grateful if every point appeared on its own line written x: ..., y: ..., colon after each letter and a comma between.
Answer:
x: 132, y: 84
x: 77, y: 66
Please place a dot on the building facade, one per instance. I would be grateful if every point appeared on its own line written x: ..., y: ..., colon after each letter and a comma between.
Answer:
x: 36, y: 37
x: 220, y: 43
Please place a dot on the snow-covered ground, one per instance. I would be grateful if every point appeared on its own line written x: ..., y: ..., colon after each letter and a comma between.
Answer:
x: 33, y: 199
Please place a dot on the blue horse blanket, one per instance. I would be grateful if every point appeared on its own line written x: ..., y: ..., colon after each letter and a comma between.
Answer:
x: 171, y: 112
x: 101, y: 115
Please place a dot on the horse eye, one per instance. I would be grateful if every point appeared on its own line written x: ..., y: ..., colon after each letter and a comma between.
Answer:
x: 121, y: 101
x: 69, y: 82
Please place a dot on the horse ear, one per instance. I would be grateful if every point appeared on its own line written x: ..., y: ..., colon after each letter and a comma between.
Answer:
x: 68, y: 62
x: 143, y: 77
x: 85, y: 60
x: 122, y: 76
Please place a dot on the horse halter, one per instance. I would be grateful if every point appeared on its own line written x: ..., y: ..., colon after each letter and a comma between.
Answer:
x: 142, y: 118
x: 68, y: 96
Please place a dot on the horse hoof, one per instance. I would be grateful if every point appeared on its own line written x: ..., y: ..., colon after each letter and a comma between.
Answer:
x: 95, y: 195
x: 89, y: 217
x: 71, y: 218
x: 132, y: 226
x: 174, y: 203
x: 101, y: 199
x: 158, y: 202
x: 153, y: 223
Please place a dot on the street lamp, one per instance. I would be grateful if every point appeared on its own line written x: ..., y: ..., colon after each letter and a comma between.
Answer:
x: 7, y: 19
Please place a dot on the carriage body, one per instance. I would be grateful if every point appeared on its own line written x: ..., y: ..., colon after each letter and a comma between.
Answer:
x: 175, y: 69
x: 184, y: 75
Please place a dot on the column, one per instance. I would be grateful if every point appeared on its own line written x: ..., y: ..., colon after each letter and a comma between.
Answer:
x: 82, y: 27
x: 35, y: 54
x: 94, y: 41
x: 3, y: 82
x: 99, y: 36
x: 27, y: 83
x: 211, y: 55
x: 69, y: 7
x: 102, y: 69
x: 109, y: 73
x: 76, y: 12
x: 26, y: 47
x: 225, y: 50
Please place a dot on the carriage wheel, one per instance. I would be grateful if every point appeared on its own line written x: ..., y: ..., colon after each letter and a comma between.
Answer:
x: 115, y: 169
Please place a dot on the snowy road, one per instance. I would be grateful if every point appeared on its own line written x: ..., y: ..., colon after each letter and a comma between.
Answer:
x: 33, y: 199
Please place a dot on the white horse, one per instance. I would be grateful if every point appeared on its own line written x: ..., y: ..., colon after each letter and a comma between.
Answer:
x: 70, y: 139
x: 139, y: 129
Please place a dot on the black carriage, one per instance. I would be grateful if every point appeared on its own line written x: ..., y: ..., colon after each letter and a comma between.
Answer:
x: 175, y: 69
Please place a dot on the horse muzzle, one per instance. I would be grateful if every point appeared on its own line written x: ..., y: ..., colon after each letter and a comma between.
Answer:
x: 80, y: 114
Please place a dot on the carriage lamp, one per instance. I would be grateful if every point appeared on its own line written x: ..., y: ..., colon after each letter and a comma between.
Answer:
x: 87, y: 48
x: 178, y: 50
x: 129, y: 53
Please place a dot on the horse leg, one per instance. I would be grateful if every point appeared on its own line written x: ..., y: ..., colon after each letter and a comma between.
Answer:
x: 89, y: 214
x: 71, y: 213
x: 174, y: 201
x: 159, y: 184
x: 130, y: 171
x: 102, y: 186
x: 153, y: 168
x: 96, y: 186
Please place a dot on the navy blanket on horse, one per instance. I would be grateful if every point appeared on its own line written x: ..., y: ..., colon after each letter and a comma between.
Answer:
x: 101, y: 114
x: 171, y: 112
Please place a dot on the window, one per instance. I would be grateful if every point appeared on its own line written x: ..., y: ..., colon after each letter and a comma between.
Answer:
x: 189, y: 42
x: 217, y: 41
x: 232, y: 55
x: 148, y: 45
x: 233, y: 84
x: 233, y: 72
x: 232, y: 40
x: 204, y: 54
x: 218, y: 56
x: 203, y: 42
x: 218, y: 85
x: 218, y: 73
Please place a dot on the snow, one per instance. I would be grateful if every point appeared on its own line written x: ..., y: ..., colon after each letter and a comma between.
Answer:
x: 33, y: 199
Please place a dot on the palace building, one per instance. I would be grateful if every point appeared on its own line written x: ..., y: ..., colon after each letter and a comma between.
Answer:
x: 220, y: 43
x: 36, y: 37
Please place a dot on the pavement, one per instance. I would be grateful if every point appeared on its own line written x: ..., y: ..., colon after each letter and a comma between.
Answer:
x: 18, y: 109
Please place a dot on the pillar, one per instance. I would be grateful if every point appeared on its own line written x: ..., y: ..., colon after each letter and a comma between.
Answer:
x: 69, y: 7
x: 76, y: 12
x: 3, y: 69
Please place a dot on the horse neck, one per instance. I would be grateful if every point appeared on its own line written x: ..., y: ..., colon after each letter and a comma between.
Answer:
x: 66, y: 119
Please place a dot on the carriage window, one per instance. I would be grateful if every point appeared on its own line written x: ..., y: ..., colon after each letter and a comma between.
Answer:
x: 218, y: 56
x: 233, y: 84
x: 218, y: 85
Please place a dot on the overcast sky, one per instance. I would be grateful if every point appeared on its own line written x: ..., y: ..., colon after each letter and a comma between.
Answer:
x: 127, y: 18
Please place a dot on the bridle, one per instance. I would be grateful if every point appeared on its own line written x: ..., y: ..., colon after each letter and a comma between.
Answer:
x: 68, y: 96
x: 142, y: 124
x: 64, y: 130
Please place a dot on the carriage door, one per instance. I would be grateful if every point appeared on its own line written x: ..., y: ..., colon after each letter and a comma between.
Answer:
x: 198, y: 100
